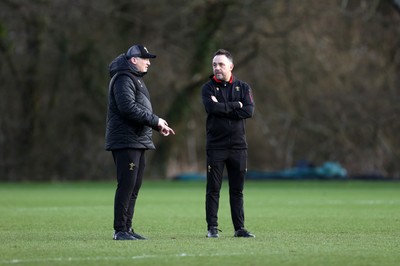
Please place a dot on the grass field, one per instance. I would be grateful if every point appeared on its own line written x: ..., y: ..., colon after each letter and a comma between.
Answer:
x: 296, y: 223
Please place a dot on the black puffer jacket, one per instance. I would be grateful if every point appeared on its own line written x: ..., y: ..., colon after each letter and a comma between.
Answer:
x: 130, y: 117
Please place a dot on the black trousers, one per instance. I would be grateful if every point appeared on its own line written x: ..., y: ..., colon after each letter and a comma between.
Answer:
x: 130, y: 164
x: 236, y: 165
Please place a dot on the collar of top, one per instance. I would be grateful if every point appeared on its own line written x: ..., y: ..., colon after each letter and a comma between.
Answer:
x: 221, y: 81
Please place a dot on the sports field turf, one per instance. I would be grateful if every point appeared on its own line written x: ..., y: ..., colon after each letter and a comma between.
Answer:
x: 296, y: 223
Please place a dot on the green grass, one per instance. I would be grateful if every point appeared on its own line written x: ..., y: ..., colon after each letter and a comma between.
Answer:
x: 296, y: 223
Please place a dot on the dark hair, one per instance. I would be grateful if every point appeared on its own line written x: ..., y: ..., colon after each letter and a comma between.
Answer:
x: 224, y: 52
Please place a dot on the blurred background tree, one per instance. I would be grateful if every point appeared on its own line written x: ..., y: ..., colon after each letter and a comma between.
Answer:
x: 325, y: 77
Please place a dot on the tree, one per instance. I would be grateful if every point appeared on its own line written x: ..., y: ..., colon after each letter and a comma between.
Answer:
x: 324, y: 76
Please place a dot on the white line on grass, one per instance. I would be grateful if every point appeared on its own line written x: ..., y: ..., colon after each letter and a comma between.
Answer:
x: 343, y: 202
x: 142, y: 257
x: 59, y: 208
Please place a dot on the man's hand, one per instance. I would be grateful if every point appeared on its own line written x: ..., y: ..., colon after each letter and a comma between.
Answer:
x: 165, y: 130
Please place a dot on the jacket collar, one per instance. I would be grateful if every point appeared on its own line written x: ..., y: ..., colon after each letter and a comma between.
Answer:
x: 222, y: 81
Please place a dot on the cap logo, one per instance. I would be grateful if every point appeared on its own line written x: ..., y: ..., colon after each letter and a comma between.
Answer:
x: 147, y: 51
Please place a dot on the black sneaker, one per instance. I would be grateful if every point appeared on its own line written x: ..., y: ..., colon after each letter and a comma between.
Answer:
x: 243, y: 233
x: 213, y: 232
x: 137, y: 236
x: 121, y: 235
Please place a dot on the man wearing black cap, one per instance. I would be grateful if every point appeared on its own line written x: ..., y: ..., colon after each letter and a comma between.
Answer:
x: 228, y: 102
x: 130, y: 121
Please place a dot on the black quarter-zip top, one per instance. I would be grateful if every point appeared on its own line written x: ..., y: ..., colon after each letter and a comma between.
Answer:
x: 226, y: 118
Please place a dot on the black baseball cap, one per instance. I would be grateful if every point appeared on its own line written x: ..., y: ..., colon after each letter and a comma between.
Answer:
x: 139, y: 50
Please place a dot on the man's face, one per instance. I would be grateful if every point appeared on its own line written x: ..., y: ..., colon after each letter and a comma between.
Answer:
x: 222, y: 67
x: 142, y: 64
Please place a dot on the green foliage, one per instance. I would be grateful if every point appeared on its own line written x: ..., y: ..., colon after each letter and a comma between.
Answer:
x: 296, y: 223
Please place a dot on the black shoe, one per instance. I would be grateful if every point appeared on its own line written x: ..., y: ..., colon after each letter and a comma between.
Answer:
x: 243, y: 233
x: 121, y: 235
x: 213, y: 232
x: 137, y: 236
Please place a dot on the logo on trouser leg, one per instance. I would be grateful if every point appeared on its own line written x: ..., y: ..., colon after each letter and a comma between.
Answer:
x: 131, y: 166
x: 209, y: 168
